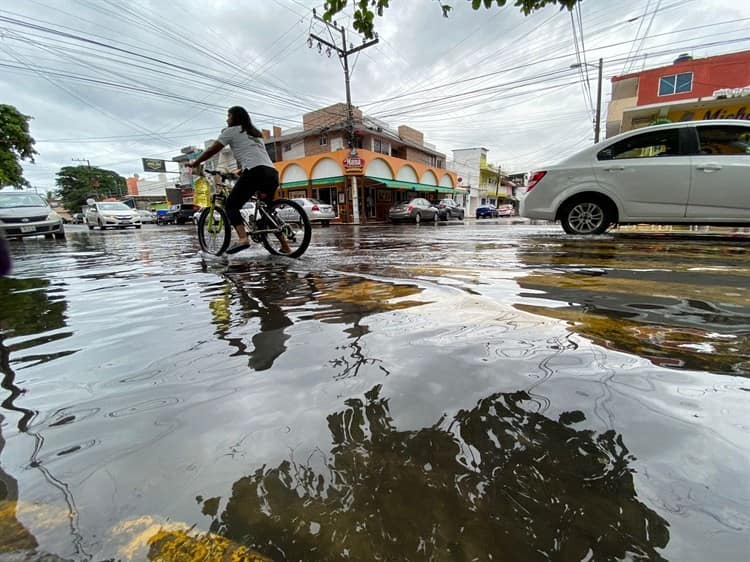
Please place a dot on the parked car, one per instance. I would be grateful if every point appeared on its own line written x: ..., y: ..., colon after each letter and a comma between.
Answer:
x: 505, y: 210
x: 147, y: 217
x: 111, y: 214
x: 416, y: 209
x: 177, y: 214
x: 317, y: 211
x: 77, y: 218
x: 692, y: 172
x: 248, y: 210
x: 486, y: 211
x: 27, y: 214
x: 448, y: 209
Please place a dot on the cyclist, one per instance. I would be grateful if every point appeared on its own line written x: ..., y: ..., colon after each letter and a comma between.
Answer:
x: 258, y: 173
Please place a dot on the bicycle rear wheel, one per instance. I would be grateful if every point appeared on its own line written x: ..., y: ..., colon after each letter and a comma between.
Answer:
x: 214, y: 231
x: 292, y: 222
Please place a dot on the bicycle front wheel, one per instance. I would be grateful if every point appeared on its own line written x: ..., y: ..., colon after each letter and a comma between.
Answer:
x: 289, y: 222
x: 214, y: 231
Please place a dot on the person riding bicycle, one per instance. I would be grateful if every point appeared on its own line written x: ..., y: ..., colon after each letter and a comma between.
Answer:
x: 258, y: 173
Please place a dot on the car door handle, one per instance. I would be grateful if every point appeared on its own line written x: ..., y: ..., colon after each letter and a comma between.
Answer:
x: 709, y: 167
x: 614, y: 169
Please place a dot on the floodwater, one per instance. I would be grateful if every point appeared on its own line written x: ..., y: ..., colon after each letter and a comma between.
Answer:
x: 472, y: 391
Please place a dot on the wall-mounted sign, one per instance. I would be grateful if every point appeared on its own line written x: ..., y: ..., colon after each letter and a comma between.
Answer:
x: 732, y: 92
x: 726, y: 112
x: 154, y: 165
x: 354, y: 165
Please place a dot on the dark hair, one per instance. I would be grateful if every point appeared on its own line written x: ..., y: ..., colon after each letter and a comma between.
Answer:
x: 242, y: 118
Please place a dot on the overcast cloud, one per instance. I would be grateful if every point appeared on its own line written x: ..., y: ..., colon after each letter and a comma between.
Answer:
x: 111, y: 82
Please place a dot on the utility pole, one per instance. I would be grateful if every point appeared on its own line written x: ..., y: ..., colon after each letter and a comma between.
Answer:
x: 598, y: 119
x: 598, y: 103
x: 343, y: 54
x: 92, y: 182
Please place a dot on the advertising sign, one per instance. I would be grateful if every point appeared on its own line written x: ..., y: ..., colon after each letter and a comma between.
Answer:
x: 154, y: 165
x: 354, y: 165
x: 726, y: 112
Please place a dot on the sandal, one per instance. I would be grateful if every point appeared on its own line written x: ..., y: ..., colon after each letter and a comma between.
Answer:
x: 237, y: 247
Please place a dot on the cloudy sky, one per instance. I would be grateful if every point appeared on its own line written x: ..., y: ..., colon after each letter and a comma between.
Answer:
x: 111, y: 82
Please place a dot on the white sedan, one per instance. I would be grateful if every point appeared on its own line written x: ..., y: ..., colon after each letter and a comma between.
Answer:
x: 111, y: 214
x: 694, y: 172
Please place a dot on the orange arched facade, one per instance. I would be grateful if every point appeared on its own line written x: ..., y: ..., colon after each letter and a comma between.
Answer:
x: 395, y: 165
x: 380, y: 182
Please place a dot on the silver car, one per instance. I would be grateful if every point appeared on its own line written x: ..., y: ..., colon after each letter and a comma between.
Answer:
x: 28, y: 214
x: 417, y: 210
x: 317, y: 211
x: 111, y: 214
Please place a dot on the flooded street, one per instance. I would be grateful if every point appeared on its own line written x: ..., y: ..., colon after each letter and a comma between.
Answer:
x: 456, y: 391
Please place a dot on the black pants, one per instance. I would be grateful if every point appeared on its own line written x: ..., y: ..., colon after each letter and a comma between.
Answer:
x: 262, y: 179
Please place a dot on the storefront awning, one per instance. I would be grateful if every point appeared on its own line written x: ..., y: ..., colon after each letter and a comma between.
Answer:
x: 414, y: 186
x: 326, y: 181
x: 318, y: 181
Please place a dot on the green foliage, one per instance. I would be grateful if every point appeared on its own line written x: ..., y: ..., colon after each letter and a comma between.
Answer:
x: 16, y: 145
x: 364, y: 10
x: 77, y: 183
x: 660, y: 121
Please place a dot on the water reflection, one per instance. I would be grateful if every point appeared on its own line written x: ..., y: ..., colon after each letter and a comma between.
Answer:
x: 15, y: 537
x: 501, y: 479
x: 648, y: 298
x: 260, y: 302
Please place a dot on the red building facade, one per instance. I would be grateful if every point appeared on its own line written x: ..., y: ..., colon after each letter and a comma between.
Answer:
x: 715, y: 87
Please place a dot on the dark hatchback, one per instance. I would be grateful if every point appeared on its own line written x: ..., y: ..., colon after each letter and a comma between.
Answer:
x: 487, y: 211
x: 178, y: 214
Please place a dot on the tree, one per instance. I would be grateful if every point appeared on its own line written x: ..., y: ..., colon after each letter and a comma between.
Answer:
x: 16, y: 145
x: 364, y: 10
x: 77, y: 183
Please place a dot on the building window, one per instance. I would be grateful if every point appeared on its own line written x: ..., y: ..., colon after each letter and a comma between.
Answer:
x: 288, y: 147
x: 381, y: 146
x: 676, y: 84
x: 324, y: 140
x: 434, y: 161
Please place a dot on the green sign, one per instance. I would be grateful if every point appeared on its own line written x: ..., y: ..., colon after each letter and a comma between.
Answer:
x: 154, y: 165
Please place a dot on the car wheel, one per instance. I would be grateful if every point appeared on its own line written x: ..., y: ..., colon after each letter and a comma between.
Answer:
x: 91, y: 226
x: 60, y: 235
x: 138, y: 227
x: 418, y: 218
x: 586, y: 216
x: 435, y: 217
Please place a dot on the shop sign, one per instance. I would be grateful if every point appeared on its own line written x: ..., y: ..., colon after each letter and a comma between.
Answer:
x: 354, y: 165
x: 732, y: 92
x: 727, y: 112
x: 154, y: 165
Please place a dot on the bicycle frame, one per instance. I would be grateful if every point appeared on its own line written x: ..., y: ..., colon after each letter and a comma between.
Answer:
x: 221, y: 191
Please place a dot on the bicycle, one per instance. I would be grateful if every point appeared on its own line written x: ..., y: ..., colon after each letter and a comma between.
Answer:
x: 280, y: 217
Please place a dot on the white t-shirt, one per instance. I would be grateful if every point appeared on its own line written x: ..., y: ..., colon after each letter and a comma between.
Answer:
x: 248, y: 150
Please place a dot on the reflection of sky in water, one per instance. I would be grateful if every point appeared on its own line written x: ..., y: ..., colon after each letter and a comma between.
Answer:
x: 333, y: 371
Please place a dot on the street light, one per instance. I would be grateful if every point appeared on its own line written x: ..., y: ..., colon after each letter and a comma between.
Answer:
x: 598, y: 95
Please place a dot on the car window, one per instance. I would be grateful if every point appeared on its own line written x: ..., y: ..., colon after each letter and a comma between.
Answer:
x: 25, y: 200
x: 113, y: 207
x: 724, y: 140
x: 646, y: 145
